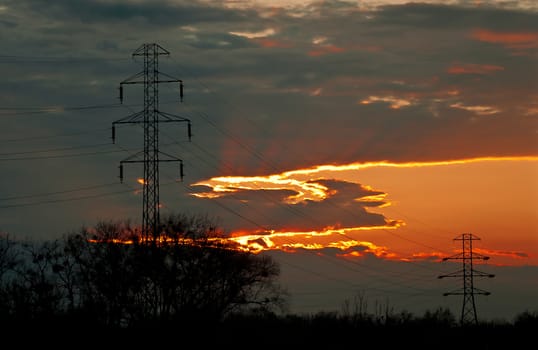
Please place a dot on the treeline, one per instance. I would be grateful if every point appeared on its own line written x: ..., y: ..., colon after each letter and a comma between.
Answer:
x: 110, y: 277
x: 192, y: 283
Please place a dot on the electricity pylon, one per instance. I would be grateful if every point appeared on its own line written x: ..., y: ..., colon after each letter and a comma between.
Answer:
x: 150, y: 117
x: 468, y: 310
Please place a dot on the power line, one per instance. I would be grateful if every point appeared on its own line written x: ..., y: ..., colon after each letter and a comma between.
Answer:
x: 55, y: 149
x: 17, y: 111
x: 59, y: 156
x: 66, y: 155
x: 64, y: 199
x: 70, y: 199
x: 55, y: 59
x: 56, y: 192
x: 48, y: 137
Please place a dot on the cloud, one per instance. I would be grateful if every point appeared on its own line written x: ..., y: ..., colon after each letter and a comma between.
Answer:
x: 325, y: 50
x: 511, y: 40
x: 162, y: 13
x: 394, y: 102
x: 300, y: 206
x: 502, y: 253
x: 254, y: 35
x: 355, y: 250
x: 479, y: 110
x: 273, y: 43
x: 470, y: 68
x: 215, y: 40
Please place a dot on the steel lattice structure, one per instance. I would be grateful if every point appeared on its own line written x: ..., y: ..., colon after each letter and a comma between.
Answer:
x: 467, y: 273
x: 150, y: 117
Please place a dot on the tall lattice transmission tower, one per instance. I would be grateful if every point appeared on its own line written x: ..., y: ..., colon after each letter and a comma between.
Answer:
x: 150, y: 117
x: 467, y: 273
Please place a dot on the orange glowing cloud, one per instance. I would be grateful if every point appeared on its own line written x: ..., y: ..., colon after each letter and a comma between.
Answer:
x: 364, y: 248
x: 503, y: 253
x: 304, y: 190
x: 426, y: 256
x: 272, y: 43
x: 262, y: 38
x: 323, y: 203
x: 253, y: 35
x: 311, y: 190
x: 480, y: 110
x: 512, y: 40
x: 394, y: 102
x: 325, y: 49
x: 312, y: 240
x: 470, y: 68
x: 302, y: 181
x: 320, y: 169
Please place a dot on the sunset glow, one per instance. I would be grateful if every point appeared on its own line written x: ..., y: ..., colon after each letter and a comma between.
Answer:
x: 303, y: 182
x: 311, y: 185
x: 510, y: 39
x: 349, y: 140
x: 470, y: 68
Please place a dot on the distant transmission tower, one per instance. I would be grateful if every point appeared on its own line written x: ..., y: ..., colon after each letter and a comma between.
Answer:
x: 150, y: 117
x: 468, y: 310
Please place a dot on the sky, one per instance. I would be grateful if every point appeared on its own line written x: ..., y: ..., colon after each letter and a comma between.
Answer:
x: 353, y: 141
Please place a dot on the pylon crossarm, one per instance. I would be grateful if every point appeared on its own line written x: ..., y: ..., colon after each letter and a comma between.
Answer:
x: 171, y: 118
x: 172, y: 79
x: 479, y: 256
x: 169, y: 159
x: 131, y: 157
x: 454, y: 257
x: 467, y: 237
x: 141, y: 51
x: 455, y: 292
x: 173, y: 159
x: 131, y: 80
x: 131, y: 119
x: 480, y: 291
x: 477, y: 273
x: 128, y: 160
x: 459, y: 273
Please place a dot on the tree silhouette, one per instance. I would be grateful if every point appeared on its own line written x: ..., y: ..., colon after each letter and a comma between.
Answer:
x: 109, y: 276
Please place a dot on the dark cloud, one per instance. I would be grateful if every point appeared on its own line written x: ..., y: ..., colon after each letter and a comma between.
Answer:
x: 257, y: 195
x: 348, y: 191
x: 434, y: 17
x: 161, y: 13
x: 217, y: 40
x: 342, y: 209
